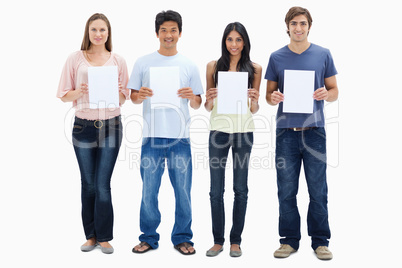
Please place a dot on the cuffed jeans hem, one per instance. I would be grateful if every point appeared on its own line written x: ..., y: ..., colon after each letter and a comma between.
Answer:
x: 295, y: 244
x: 315, y: 246
x: 152, y: 243
x: 99, y: 240
x: 185, y: 241
x: 89, y: 236
x: 104, y: 239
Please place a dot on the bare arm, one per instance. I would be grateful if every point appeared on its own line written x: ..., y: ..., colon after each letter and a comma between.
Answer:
x: 330, y: 92
x: 254, y: 93
x: 196, y: 102
x: 122, y: 97
x: 212, y: 92
x: 187, y: 93
x: 273, y: 96
x: 74, y: 95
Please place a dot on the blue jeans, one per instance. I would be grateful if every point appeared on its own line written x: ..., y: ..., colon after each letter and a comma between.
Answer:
x: 219, y: 145
x: 177, y: 153
x: 293, y: 147
x: 96, y: 145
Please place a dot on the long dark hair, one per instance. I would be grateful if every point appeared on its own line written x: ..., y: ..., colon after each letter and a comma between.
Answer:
x: 244, y: 64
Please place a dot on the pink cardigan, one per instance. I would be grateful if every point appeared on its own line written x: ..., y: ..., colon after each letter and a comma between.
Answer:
x: 75, y: 72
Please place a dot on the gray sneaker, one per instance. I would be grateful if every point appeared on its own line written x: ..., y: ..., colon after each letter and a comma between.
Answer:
x: 323, y: 253
x: 284, y: 251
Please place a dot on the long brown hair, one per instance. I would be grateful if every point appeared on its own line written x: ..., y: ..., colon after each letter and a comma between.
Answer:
x: 86, y: 43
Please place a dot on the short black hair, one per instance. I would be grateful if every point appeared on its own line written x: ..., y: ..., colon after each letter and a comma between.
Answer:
x: 169, y: 15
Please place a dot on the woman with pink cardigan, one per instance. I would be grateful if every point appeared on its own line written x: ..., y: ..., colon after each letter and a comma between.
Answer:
x: 97, y: 133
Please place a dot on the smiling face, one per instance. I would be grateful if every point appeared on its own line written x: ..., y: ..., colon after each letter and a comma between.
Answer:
x: 98, y: 32
x: 234, y: 43
x: 168, y: 35
x: 299, y: 28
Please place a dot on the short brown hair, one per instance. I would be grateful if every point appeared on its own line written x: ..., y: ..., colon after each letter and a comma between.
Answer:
x: 86, y: 43
x: 296, y: 11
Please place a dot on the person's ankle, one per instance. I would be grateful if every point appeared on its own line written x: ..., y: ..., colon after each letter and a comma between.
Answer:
x: 216, y: 247
x: 105, y: 244
x: 90, y: 242
x: 235, y: 247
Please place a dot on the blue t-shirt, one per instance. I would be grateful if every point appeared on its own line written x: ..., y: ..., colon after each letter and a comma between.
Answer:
x: 315, y: 58
x: 166, y: 122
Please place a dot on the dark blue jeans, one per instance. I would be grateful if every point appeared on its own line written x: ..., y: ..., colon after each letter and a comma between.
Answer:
x: 219, y: 145
x: 156, y: 153
x: 293, y: 148
x: 96, y: 145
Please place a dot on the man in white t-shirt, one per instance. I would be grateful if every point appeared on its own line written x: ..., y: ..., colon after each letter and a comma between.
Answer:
x: 166, y: 134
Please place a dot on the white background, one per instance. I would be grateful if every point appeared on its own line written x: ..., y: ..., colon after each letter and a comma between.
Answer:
x: 40, y: 185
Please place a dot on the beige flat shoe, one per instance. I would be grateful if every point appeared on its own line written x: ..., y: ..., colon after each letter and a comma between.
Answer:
x: 284, y: 251
x: 323, y: 253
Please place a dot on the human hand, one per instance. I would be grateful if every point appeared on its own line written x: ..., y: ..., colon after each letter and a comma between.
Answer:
x: 144, y: 93
x: 277, y: 97
x: 211, y: 94
x: 186, y: 93
x: 320, y: 94
x: 121, y: 89
x: 253, y: 94
x: 83, y: 89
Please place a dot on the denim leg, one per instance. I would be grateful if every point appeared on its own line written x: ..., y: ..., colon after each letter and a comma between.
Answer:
x: 152, y: 168
x: 180, y: 172
x: 219, y: 145
x: 314, y: 161
x: 86, y: 158
x: 241, y: 150
x: 108, y: 150
x: 85, y: 147
x: 96, y: 151
x: 288, y: 163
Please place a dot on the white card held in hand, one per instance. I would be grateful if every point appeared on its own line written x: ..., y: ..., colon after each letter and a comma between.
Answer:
x: 165, y: 82
x: 298, y: 90
x: 103, y: 87
x: 232, y: 93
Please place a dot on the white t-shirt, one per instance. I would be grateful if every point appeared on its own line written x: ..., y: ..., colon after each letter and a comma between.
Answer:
x: 166, y: 122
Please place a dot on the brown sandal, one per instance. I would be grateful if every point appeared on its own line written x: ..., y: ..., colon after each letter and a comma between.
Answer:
x: 142, y: 244
x: 187, y: 246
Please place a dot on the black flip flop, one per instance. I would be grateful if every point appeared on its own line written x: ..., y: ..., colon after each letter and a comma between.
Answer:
x: 186, y: 245
x: 142, y: 244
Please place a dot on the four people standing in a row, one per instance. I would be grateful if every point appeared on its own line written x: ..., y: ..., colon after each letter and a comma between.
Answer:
x: 97, y: 135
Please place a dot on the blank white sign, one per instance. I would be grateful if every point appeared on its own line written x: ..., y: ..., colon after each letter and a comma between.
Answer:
x: 165, y: 82
x: 103, y: 87
x: 232, y: 92
x: 298, y: 91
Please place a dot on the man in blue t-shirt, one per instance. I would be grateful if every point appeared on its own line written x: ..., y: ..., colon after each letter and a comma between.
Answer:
x: 300, y: 135
x: 166, y: 132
